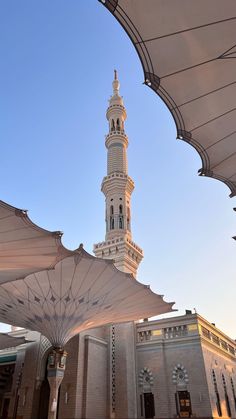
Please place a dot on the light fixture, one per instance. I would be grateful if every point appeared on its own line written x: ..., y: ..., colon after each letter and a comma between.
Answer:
x: 147, y: 81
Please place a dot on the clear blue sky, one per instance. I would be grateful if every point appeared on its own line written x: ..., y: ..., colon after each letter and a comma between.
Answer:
x: 57, y: 61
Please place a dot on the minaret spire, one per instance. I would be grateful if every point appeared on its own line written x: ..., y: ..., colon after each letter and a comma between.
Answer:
x: 116, y: 84
x: 117, y: 187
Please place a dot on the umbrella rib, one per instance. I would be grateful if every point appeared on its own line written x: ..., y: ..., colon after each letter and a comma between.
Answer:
x: 7, y: 216
x: 83, y: 279
x: 204, y: 95
x: 221, y: 139
x: 19, y: 240
x: 189, y: 68
x: 213, y: 119
x: 222, y: 161
x: 134, y: 33
x: 41, y: 306
x: 187, y: 30
x: 232, y: 176
x: 32, y: 247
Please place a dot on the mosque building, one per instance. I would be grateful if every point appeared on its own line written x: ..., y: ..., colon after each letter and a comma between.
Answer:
x: 174, y: 367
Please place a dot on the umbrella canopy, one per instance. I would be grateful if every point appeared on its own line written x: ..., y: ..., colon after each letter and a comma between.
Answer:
x: 81, y: 292
x: 188, y: 50
x: 25, y: 247
x: 8, y: 341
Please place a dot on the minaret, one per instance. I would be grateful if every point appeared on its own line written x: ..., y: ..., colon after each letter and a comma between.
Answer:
x: 117, y: 187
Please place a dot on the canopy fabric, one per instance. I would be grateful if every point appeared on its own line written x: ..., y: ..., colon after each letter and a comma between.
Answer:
x: 188, y: 51
x: 8, y: 341
x: 80, y: 293
x: 25, y: 247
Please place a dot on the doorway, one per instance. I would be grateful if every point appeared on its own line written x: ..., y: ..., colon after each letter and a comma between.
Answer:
x: 5, y: 408
x: 185, y: 409
x: 44, y: 400
x: 149, y: 406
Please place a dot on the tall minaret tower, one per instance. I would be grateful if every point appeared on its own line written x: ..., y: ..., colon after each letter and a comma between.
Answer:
x: 117, y: 187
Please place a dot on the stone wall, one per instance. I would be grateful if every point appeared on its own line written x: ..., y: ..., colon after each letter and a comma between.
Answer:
x: 221, y: 363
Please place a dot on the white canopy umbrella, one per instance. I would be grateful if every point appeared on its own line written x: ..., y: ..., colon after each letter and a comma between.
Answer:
x: 25, y: 247
x: 188, y: 53
x: 81, y: 292
x: 46, y: 288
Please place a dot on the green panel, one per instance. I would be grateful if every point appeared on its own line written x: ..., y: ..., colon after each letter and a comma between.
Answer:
x: 7, y: 358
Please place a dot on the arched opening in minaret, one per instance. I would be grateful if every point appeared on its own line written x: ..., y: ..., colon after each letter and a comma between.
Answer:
x: 121, y: 218
x: 112, y: 225
x: 128, y: 218
x: 118, y: 124
x: 112, y: 222
x: 112, y: 125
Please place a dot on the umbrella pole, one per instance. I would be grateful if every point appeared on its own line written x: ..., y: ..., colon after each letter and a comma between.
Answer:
x: 56, y: 368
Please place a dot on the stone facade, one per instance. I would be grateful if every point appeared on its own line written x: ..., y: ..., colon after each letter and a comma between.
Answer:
x: 112, y: 371
x: 180, y: 354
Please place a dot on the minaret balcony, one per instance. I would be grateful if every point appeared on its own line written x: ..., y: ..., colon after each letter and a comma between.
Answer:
x: 120, y: 241
x: 117, y: 180
x: 117, y: 131
x: 116, y: 107
x: 116, y: 136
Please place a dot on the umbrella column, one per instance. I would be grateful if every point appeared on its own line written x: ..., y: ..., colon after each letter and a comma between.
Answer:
x: 56, y: 368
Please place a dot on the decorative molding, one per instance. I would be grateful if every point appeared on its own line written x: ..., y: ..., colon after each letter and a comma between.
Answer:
x: 96, y: 340
x: 145, y: 379
x: 113, y: 369
x: 180, y: 375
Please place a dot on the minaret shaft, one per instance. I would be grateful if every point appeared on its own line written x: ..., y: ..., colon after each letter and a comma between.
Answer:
x: 117, y: 187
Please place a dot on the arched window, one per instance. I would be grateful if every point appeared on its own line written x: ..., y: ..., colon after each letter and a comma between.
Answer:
x: 111, y: 210
x: 118, y: 124
x: 112, y: 125
x: 112, y: 223
x: 121, y: 209
x: 121, y: 222
x: 233, y: 391
x: 226, y: 396
x: 218, y: 405
x: 128, y: 218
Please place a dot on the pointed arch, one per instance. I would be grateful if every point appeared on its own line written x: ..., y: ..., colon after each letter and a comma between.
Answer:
x: 118, y: 124
x: 112, y: 125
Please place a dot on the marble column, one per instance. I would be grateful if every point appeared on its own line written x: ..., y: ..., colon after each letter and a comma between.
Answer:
x: 56, y: 368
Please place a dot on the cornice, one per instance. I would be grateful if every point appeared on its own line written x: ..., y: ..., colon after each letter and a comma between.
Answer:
x: 186, y: 340
x: 116, y: 136
x: 116, y: 180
